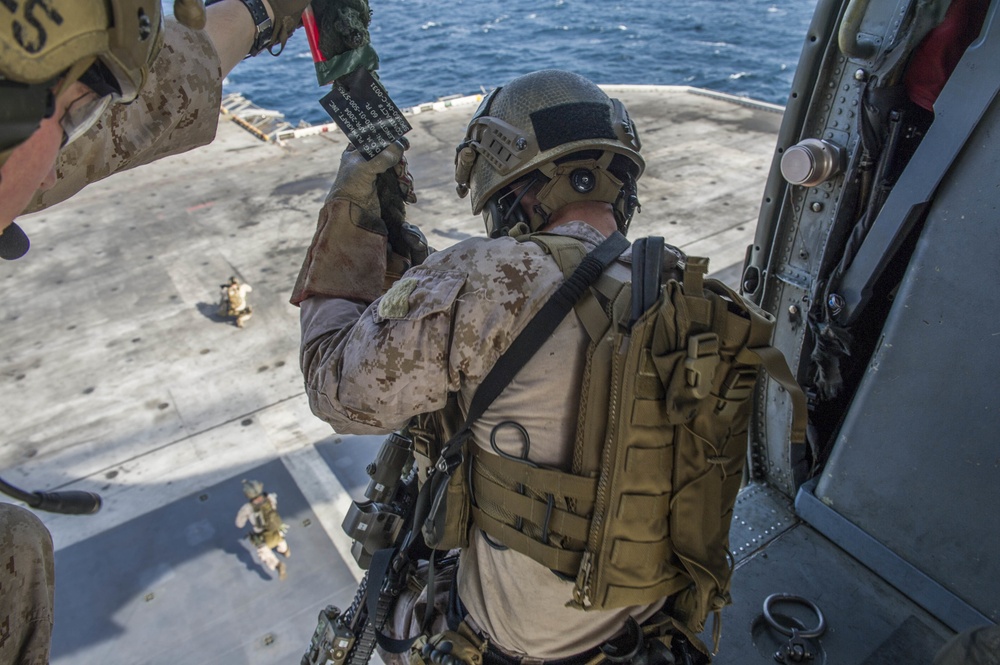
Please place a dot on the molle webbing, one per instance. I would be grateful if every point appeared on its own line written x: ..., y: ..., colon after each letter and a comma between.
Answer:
x: 443, y: 504
x: 551, y: 532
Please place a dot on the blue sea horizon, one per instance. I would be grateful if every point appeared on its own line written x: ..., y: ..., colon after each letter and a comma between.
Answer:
x: 430, y: 49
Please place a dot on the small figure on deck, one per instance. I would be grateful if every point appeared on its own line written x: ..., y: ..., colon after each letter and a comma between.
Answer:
x: 267, y: 530
x: 234, y: 301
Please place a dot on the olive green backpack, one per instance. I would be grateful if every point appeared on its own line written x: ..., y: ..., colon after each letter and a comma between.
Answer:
x: 644, y: 512
x: 270, y: 521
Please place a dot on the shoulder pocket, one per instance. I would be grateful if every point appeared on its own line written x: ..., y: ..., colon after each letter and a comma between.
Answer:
x: 418, y: 294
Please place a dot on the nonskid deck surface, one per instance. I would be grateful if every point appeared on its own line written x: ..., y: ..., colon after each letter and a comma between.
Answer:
x: 179, y: 584
x: 117, y: 377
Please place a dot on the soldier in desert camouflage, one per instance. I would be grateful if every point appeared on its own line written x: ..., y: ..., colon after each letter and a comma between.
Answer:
x: 267, y: 531
x: 373, y: 359
x: 234, y: 301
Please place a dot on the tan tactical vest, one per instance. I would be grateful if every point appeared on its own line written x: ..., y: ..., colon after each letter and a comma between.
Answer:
x: 267, y: 519
x: 644, y: 512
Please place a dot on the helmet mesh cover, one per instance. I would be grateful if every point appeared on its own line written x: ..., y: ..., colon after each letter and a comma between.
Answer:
x: 539, y: 118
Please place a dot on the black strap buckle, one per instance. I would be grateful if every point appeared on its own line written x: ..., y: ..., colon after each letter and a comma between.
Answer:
x: 264, y: 26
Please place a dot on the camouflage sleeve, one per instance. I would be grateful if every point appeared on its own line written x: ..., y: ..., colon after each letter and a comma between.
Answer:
x: 177, y: 110
x: 438, y: 329
x: 370, y: 371
x: 26, y: 580
x: 243, y: 516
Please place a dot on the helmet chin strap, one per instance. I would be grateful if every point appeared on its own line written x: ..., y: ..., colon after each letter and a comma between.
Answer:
x: 539, y: 218
x: 501, y: 218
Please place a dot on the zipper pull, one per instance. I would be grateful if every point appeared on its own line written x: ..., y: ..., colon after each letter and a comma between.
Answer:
x: 581, y: 592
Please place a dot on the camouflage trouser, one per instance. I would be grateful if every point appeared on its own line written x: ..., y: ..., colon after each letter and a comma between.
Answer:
x: 267, y: 555
x: 243, y: 316
x: 979, y: 646
x: 226, y: 310
x: 27, y: 577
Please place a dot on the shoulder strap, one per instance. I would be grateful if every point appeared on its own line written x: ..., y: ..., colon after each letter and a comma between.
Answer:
x: 566, y: 250
x: 647, y: 271
x: 540, y: 328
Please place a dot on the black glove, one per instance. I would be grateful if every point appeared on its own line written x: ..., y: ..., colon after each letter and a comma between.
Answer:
x: 407, y: 243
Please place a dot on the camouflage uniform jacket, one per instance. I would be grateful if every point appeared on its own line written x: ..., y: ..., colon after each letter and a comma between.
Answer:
x: 369, y: 370
x: 177, y: 110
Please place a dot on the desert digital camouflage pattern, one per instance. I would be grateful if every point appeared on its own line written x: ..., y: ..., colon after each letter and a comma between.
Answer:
x: 370, y: 370
x: 177, y: 110
x: 27, y: 575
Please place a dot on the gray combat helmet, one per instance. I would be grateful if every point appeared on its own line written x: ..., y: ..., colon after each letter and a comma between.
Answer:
x: 252, y: 489
x: 582, y: 143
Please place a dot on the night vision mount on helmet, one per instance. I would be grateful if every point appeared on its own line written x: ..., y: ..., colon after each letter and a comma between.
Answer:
x: 554, y: 130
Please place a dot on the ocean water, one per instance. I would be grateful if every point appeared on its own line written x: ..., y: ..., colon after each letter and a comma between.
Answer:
x: 430, y: 49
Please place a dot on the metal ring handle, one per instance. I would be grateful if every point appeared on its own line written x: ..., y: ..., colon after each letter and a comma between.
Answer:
x: 849, y: 36
x: 785, y: 630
